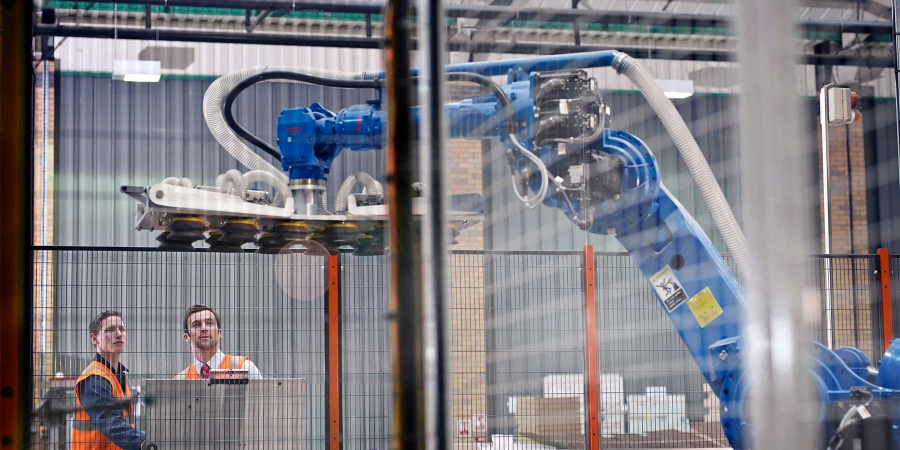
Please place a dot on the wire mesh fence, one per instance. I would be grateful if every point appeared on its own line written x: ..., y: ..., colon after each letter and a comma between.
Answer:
x: 269, y: 309
x: 654, y: 377
x: 534, y: 329
x: 365, y: 354
x: 517, y: 351
x: 895, y: 292
x: 849, y: 299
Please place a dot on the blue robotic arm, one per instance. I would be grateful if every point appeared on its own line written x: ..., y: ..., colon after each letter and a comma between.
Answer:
x: 551, y: 119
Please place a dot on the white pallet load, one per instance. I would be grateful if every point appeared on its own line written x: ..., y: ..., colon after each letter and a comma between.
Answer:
x: 612, y: 398
x: 656, y: 411
x: 509, y: 442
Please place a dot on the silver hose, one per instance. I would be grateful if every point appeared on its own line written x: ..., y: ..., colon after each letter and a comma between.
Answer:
x: 693, y: 157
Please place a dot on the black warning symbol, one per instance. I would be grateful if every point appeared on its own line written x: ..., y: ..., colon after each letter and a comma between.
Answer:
x: 669, y: 289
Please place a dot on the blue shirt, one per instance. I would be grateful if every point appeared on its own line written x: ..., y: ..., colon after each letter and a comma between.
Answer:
x: 95, y: 395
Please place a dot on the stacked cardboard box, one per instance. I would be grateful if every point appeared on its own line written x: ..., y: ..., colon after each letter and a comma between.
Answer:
x: 612, y: 398
x: 656, y: 411
x: 550, y: 421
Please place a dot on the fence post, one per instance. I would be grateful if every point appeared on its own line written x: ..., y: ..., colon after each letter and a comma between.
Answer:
x: 592, y: 384
x: 884, y: 272
x: 333, y: 350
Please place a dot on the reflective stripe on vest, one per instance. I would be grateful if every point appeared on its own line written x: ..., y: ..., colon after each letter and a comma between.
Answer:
x: 84, y: 435
x: 83, y: 425
x: 229, y: 362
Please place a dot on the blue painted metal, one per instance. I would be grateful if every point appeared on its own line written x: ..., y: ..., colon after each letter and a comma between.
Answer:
x: 702, y: 297
x: 856, y: 360
x: 311, y: 138
x: 889, y: 371
x: 548, y: 63
x: 661, y: 237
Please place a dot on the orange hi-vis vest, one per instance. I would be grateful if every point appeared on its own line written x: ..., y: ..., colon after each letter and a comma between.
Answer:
x: 229, y: 362
x: 84, y: 435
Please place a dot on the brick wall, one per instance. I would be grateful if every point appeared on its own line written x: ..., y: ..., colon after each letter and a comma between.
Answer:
x: 464, y: 165
x: 847, y: 185
x: 842, y: 175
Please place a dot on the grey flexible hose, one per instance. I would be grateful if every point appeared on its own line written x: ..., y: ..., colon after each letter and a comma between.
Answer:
x: 283, y: 193
x: 232, y: 182
x: 183, y: 182
x: 212, y: 112
x: 693, y: 157
x: 373, y: 187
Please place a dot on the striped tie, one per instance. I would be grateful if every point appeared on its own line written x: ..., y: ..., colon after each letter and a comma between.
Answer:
x: 204, y: 372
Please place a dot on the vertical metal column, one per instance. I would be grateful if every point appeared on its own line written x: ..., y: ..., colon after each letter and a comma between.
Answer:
x: 591, y: 355
x: 826, y: 215
x: 775, y: 224
x: 435, y: 289
x: 333, y: 350
x: 17, y: 92
x: 887, y: 320
x: 405, y: 288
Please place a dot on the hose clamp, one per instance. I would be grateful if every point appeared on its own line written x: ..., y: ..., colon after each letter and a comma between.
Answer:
x: 306, y: 184
x: 619, y: 62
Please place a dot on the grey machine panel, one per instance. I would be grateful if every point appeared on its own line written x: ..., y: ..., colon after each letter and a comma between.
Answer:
x: 199, y: 415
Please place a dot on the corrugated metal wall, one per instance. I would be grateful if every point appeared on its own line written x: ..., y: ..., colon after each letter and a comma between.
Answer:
x: 113, y: 133
x: 882, y: 174
x: 510, y: 226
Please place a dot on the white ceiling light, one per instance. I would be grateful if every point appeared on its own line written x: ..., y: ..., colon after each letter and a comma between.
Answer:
x: 137, y: 71
x: 677, y: 88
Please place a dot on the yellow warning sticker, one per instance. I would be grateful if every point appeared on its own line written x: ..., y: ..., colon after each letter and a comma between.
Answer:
x: 705, y: 307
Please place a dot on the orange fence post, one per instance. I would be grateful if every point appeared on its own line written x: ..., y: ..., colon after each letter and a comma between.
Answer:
x: 884, y: 271
x: 333, y: 350
x: 592, y: 402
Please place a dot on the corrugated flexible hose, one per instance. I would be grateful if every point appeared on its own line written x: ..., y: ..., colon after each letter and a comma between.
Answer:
x: 693, y: 157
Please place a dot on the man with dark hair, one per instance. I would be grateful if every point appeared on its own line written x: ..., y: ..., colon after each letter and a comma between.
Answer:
x: 104, y: 418
x: 203, y: 330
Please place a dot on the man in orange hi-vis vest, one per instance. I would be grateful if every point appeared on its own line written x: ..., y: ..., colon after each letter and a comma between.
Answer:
x: 203, y: 330
x: 104, y: 416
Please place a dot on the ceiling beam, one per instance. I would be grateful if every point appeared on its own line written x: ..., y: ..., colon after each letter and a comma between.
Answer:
x: 457, y: 46
x: 503, y: 14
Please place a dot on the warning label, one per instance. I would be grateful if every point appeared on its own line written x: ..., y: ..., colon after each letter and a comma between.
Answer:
x: 463, y: 428
x: 668, y: 288
x: 705, y: 307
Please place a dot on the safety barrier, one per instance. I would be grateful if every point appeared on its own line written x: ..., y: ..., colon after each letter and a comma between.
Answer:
x: 529, y: 331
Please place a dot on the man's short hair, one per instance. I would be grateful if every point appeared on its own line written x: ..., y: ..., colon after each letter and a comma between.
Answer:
x: 95, y: 324
x: 195, y: 309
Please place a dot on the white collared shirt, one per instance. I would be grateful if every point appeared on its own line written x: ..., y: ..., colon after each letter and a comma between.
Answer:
x: 216, y: 360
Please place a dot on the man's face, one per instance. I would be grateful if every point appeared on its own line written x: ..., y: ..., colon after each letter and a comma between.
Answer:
x: 111, y: 337
x: 203, y: 332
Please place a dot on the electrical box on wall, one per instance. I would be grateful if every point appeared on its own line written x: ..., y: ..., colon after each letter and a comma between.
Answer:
x: 841, y: 102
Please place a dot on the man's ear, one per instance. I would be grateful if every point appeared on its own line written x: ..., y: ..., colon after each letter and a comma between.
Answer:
x: 186, y: 337
x: 95, y: 340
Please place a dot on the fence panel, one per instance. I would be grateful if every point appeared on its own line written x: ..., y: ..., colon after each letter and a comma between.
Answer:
x: 270, y: 307
x: 534, y: 327
x: 848, y: 303
x: 517, y: 327
x: 895, y: 294
x: 365, y: 353
x: 649, y: 368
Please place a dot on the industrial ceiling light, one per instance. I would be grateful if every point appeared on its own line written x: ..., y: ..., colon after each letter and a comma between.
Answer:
x: 137, y: 71
x: 677, y: 88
